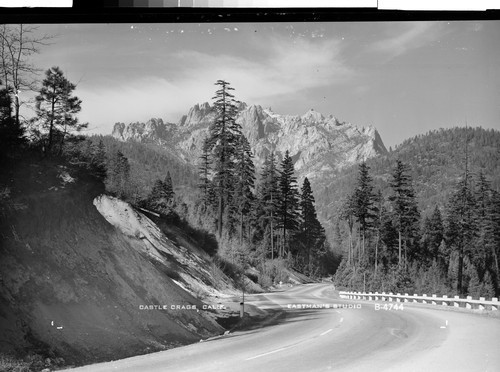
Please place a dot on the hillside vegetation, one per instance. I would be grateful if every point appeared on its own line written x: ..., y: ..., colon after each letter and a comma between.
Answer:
x: 73, y: 284
x: 436, y: 161
x: 424, y: 218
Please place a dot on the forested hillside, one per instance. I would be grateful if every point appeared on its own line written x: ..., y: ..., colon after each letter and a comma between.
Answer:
x: 436, y: 160
x: 423, y: 218
x: 148, y: 163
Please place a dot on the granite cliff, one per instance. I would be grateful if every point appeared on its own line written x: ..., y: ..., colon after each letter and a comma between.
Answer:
x: 318, y: 144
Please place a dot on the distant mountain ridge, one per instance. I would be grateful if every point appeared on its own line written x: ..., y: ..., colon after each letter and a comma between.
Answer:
x: 436, y: 160
x: 318, y: 144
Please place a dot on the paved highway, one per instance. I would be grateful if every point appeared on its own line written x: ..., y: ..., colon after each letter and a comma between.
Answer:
x: 352, y: 337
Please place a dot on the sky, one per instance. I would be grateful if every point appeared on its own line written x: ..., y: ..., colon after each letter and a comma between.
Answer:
x: 404, y: 78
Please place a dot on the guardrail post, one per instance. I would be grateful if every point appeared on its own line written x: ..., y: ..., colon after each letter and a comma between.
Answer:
x: 369, y: 296
x: 376, y: 296
x: 424, y: 301
x: 434, y: 297
x: 468, y: 305
x: 390, y: 296
x: 456, y: 303
x: 406, y: 298
x: 397, y: 298
x: 444, y: 303
x: 383, y: 296
x: 415, y: 297
x: 495, y: 307
x: 481, y: 306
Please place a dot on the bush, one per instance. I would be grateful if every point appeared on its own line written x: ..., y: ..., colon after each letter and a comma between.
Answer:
x: 9, y: 364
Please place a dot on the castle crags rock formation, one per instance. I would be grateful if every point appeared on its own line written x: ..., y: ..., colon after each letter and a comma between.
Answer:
x: 318, y: 144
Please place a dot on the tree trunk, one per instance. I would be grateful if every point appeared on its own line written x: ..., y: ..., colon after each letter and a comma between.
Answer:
x: 309, y: 265
x: 283, y: 242
x: 17, y: 106
x: 359, y: 246
x: 399, y: 239
x: 406, y: 254
x: 220, y: 216
x: 272, y: 237
x: 241, y: 228
x: 460, y: 270
x: 363, y: 242
x: 350, y: 250
x: 495, y: 257
x: 51, y: 128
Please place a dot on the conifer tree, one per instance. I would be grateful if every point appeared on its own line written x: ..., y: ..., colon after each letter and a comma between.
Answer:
x: 404, y: 208
x: 168, y: 187
x: 56, y: 107
x: 310, y: 228
x: 492, y: 231
x: 99, y: 160
x: 204, y: 171
x: 377, y: 224
x: 364, y: 197
x: 288, y: 217
x: 268, y: 199
x: 118, y: 174
x: 432, y: 237
x: 224, y: 134
x: 347, y: 214
x: 461, y: 226
x: 161, y: 194
x: 245, y: 180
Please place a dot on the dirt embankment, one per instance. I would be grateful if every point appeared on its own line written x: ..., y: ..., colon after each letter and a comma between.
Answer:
x: 74, y: 286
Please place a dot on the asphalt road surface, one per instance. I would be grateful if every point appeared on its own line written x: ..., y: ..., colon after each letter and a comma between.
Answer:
x: 352, y: 337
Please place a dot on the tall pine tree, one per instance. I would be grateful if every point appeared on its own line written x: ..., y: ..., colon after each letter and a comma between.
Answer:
x: 311, y: 231
x: 245, y: 181
x: 204, y: 172
x: 365, y: 209
x: 405, y: 209
x: 118, y: 174
x: 56, y: 107
x: 461, y: 228
x: 222, y: 142
x: 288, y: 216
x: 268, y: 200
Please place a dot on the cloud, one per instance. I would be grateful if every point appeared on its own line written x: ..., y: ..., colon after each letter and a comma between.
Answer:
x: 283, y: 66
x: 137, y: 100
x: 405, y: 37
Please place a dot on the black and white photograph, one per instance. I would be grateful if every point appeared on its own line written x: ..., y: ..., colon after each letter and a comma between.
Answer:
x: 278, y: 195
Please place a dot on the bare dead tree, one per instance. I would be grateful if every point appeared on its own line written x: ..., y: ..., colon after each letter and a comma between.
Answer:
x: 17, y: 44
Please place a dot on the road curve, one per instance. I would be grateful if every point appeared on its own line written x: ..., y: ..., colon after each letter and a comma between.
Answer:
x: 352, y: 337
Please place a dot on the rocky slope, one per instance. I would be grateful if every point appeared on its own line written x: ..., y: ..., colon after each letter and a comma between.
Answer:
x: 318, y: 144
x: 77, y: 268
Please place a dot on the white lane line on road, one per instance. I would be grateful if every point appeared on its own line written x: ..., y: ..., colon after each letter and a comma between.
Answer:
x: 324, y: 333
x: 341, y: 320
x: 271, y: 352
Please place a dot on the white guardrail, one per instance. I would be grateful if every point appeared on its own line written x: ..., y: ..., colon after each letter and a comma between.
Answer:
x: 456, y: 301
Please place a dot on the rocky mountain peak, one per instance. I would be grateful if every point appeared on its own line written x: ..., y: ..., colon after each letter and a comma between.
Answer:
x: 318, y: 144
x: 312, y: 116
x: 197, y: 114
x: 151, y: 131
